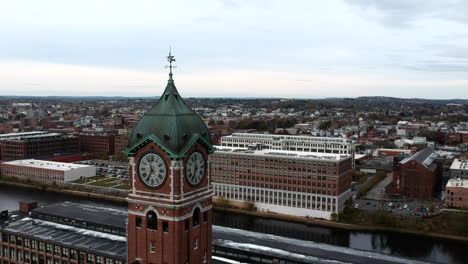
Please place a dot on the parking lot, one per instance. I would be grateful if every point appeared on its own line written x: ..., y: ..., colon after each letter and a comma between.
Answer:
x: 109, y: 168
x: 407, y: 208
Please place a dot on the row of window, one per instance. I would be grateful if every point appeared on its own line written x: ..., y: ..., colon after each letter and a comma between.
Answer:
x: 24, y: 250
x: 304, y: 200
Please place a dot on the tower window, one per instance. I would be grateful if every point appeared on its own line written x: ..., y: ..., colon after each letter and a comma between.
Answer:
x: 196, y: 217
x: 195, y: 243
x: 152, y: 220
x: 166, y: 227
x: 205, y: 217
x: 153, y: 246
x: 138, y: 221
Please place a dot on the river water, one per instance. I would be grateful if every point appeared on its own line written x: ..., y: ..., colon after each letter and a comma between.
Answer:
x: 407, y: 246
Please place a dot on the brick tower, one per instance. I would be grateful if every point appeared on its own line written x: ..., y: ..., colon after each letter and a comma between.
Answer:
x: 169, y: 202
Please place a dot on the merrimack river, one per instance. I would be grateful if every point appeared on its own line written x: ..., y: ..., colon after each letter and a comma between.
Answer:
x: 402, y: 245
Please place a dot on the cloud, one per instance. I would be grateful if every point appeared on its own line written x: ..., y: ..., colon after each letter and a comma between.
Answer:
x: 76, y: 80
x: 404, y: 13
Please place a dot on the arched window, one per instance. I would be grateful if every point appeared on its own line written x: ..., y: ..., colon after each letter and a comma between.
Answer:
x: 196, y: 217
x: 151, y: 220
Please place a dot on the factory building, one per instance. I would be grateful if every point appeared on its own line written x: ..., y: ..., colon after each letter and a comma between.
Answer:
x: 45, y: 171
x: 281, y: 181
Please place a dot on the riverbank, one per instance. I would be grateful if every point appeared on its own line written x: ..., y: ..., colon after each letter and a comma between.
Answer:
x: 62, y: 190
x: 344, y: 226
x: 267, y: 215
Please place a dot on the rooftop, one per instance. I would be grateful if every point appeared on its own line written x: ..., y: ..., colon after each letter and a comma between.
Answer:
x: 72, y: 237
x: 71, y: 234
x: 459, y: 164
x: 44, y: 164
x: 424, y: 157
x: 21, y: 134
x: 457, y: 183
x: 288, y: 137
x: 283, y: 153
x: 29, y: 136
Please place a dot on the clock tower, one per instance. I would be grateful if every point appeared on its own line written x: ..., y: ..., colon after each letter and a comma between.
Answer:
x: 169, y: 201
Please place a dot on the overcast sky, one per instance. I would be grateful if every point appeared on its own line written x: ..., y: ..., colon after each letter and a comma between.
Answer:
x: 253, y: 48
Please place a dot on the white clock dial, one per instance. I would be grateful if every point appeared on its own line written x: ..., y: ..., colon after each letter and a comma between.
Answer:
x: 196, y: 168
x: 152, y: 170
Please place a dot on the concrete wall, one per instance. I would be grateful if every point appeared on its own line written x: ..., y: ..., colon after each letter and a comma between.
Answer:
x: 75, y: 174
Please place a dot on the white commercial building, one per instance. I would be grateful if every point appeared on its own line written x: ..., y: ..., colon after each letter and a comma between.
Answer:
x: 335, y: 145
x: 46, y: 171
x: 459, y: 169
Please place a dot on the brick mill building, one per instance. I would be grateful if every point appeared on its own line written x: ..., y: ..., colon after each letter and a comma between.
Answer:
x: 35, y: 144
x: 45, y: 171
x: 64, y: 233
x: 418, y: 176
x: 97, y: 142
x: 287, y: 182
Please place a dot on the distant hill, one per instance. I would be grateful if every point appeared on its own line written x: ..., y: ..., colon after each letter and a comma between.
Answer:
x: 368, y: 100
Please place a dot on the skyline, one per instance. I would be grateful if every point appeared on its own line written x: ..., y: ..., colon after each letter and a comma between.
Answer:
x: 302, y: 50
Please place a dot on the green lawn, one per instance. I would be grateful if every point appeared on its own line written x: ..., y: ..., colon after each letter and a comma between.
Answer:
x: 123, y: 187
x: 85, y: 180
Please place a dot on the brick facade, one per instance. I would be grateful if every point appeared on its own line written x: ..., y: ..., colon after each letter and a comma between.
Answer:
x: 311, y: 184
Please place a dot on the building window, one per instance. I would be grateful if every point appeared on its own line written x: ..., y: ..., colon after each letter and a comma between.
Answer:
x: 19, y: 255
x: 187, y: 225
x: 26, y: 257
x: 152, y: 220
x: 196, y: 217
x: 41, y: 246
x: 165, y: 227
x: 73, y: 254
x: 99, y: 260
x: 195, y: 243
x: 4, y: 238
x: 90, y: 258
x: 33, y: 244
x: 152, y: 246
x: 205, y: 217
x: 48, y: 248
x: 138, y: 221
x: 65, y: 252
x: 12, y: 254
x: 57, y: 250
x: 26, y: 243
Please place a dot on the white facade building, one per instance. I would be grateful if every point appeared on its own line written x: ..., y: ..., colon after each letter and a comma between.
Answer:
x: 46, y: 171
x: 335, y: 145
x: 459, y: 169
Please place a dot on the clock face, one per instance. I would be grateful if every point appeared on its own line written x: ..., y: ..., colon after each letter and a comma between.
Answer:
x: 196, y: 168
x: 152, y: 170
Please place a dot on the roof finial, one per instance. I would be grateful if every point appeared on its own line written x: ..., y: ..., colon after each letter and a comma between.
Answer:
x: 170, y: 59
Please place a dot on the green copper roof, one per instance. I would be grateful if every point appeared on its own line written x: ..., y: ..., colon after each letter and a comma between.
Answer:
x: 172, y: 122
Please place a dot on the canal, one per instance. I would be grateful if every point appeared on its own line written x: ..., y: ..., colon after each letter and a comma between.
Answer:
x: 402, y: 245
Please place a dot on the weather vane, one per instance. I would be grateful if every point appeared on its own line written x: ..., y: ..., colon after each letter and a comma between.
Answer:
x: 170, y: 59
